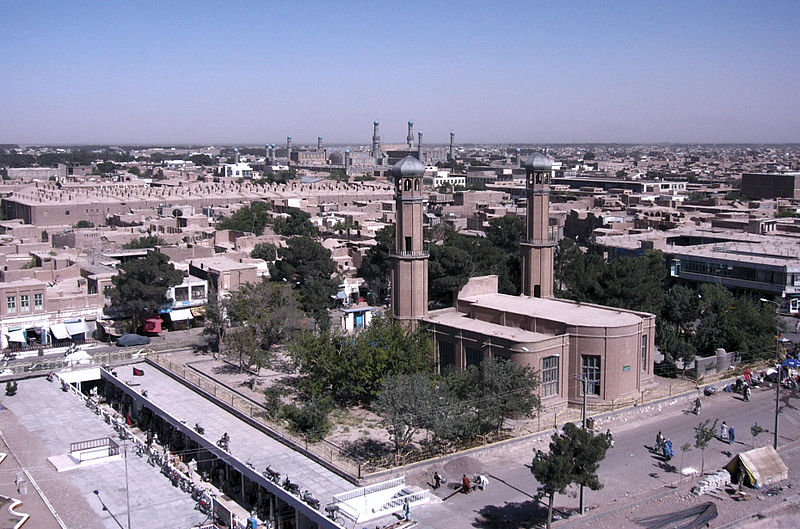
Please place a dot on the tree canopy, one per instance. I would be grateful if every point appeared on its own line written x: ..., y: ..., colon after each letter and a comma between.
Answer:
x: 351, y: 369
x: 574, y: 457
x: 264, y: 250
x: 298, y: 223
x: 253, y: 218
x: 307, y: 266
x: 376, y: 267
x: 141, y: 285
x: 145, y: 241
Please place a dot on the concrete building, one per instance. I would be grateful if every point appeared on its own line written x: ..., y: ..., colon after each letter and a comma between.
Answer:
x: 771, y: 185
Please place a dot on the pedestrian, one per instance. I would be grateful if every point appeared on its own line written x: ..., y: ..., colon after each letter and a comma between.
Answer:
x: 747, y: 393
x: 659, y: 441
x: 482, y: 481
x: 731, y: 435
x: 406, y: 510
x: 723, y: 431
x: 465, y: 484
x: 697, y: 406
x: 437, y: 480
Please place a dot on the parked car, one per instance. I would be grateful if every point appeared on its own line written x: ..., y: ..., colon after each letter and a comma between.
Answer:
x: 129, y: 340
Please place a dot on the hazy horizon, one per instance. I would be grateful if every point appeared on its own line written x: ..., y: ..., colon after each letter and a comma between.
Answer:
x: 148, y: 73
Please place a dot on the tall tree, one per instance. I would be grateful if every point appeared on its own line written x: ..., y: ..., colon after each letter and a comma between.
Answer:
x: 145, y: 241
x: 297, y: 223
x: 376, y: 266
x: 703, y: 435
x: 264, y: 250
x: 141, y: 285
x: 307, y: 266
x: 404, y: 403
x: 574, y: 457
x: 253, y: 218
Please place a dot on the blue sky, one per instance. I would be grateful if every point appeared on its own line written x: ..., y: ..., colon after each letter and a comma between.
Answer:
x: 255, y: 72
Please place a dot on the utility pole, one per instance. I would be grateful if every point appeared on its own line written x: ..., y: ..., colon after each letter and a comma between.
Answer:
x: 584, y: 382
x: 778, y: 367
x: 127, y: 492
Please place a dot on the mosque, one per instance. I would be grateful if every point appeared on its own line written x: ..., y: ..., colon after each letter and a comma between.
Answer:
x: 570, y: 344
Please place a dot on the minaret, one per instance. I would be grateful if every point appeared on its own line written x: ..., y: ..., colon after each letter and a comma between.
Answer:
x: 376, y: 141
x: 236, y: 155
x: 409, y: 259
x: 410, y: 137
x: 452, y: 145
x: 319, y: 143
x: 419, y: 147
x: 519, y: 157
x: 538, y: 247
x: 272, y: 155
x: 289, y: 148
x: 266, y: 157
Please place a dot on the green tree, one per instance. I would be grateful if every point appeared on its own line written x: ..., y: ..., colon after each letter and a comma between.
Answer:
x: 264, y: 250
x: 307, y: 266
x: 449, y: 269
x: 298, y: 223
x: 135, y: 170
x: 253, y: 218
x: 574, y: 457
x: 141, y: 285
x: 83, y: 224
x: 505, y: 234
x: 376, y: 267
x: 260, y: 315
x: 352, y: 368
x: 310, y: 418
x: 404, y: 404
x: 201, y: 159
x: 145, y: 241
x: 703, y: 435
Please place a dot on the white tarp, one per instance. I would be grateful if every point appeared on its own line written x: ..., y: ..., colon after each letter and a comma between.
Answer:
x: 76, y: 327
x: 59, y: 330
x: 16, y: 336
x: 180, y: 315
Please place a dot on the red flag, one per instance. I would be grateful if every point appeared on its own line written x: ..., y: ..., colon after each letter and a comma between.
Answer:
x: 138, y: 372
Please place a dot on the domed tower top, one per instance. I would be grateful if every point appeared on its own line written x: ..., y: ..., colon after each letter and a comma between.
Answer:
x: 538, y: 162
x: 408, y: 166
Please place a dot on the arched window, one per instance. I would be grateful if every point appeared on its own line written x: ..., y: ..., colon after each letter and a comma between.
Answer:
x: 407, y: 185
x: 416, y: 184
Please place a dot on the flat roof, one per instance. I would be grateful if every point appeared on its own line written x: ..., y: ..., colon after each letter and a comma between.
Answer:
x: 567, y: 312
x: 452, y: 318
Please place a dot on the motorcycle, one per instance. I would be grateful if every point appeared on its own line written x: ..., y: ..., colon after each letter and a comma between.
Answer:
x: 310, y: 499
x: 199, y: 429
x: 271, y: 475
x: 294, y: 488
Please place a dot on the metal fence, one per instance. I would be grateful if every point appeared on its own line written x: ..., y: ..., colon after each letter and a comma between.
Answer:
x: 37, y: 365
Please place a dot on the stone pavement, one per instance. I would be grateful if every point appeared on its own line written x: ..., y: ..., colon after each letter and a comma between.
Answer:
x: 41, y: 421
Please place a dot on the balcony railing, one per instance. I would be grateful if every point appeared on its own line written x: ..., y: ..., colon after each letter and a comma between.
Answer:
x: 410, y: 253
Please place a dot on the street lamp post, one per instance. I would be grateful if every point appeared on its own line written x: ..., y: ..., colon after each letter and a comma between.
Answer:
x: 584, y: 385
x: 778, y: 369
x: 105, y: 508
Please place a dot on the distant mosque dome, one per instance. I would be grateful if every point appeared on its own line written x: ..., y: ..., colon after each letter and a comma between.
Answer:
x: 538, y: 162
x: 408, y: 166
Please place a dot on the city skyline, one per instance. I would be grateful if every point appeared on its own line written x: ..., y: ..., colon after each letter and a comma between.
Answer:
x: 574, y: 73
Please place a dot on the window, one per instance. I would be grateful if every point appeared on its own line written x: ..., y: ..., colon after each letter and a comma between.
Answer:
x: 590, y: 371
x: 408, y: 244
x: 181, y: 293
x: 550, y: 376
x: 11, y: 304
x: 24, y: 303
x: 407, y: 185
x: 416, y: 184
x: 474, y: 357
x: 644, y: 352
x: 447, y: 355
x: 38, y: 301
x: 198, y: 291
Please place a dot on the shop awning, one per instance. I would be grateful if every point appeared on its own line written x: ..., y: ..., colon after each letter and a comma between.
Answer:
x: 77, y: 327
x: 59, y: 331
x: 180, y: 315
x: 198, y: 312
x: 16, y: 336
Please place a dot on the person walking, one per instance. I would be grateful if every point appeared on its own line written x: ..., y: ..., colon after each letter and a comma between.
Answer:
x: 437, y: 480
x: 406, y: 510
x: 697, y: 406
x: 465, y: 484
x: 723, y: 431
x: 659, y: 441
x: 731, y: 435
x: 482, y: 481
x: 747, y: 393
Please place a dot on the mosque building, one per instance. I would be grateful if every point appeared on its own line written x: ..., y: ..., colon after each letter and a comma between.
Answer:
x: 568, y: 343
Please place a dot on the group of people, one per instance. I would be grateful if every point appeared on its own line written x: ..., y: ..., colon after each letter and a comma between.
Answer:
x: 480, y: 481
x: 664, y: 446
x: 727, y: 433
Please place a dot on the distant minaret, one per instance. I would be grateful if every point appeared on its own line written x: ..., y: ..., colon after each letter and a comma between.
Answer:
x: 289, y: 147
x: 272, y: 155
x: 519, y: 157
x: 346, y: 158
x: 410, y: 137
x: 235, y: 155
x: 538, y: 247
x: 376, y: 140
x: 266, y: 151
x: 419, y: 147
x: 409, y: 258
x: 319, y: 143
x: 452, y: 145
